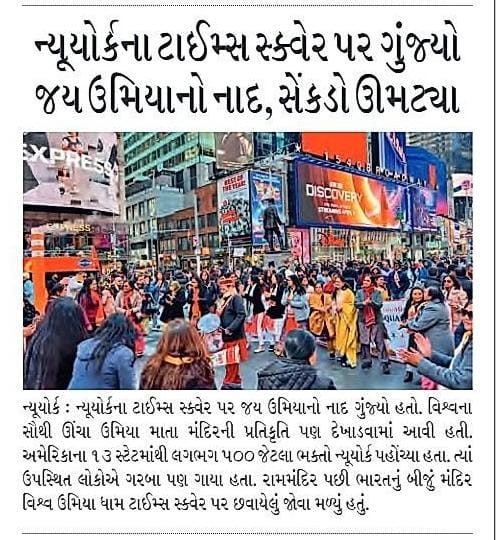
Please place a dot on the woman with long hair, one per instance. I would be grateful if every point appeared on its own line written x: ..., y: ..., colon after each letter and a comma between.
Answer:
x: 129, y: 303
x: 297, y: 306
x: 212, y: 289
x: 345, y: 323
x: 173, y: 301
x: 371, y: 328
x: 49, y: 358
x: 276, y: 310
x: 455, y: 297
x: 180, y: 362
x: 158, y: 288
x: 106, y: 361
x: 107, y: 299
x: 414, y: 301
x: 198, y: 300
x: 90, y: 301
x: 321, y: 319
x: 308, y: 285
x: 254, y: 297
x: 434, y: 322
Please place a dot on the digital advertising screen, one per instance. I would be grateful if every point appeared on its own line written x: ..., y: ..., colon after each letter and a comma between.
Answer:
x: 234, y: 206
x: 428, y: 170
x: 462, y: 185
x: 71, y: 170
x: 234, y: 149
x: 299, y: 242
x: 423, y: 204
x: 263, y: 188
x: 388, y: 151
x: 332, y: 197
x: 344, y: 145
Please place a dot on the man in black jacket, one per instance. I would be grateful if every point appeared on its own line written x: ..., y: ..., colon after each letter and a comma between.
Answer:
x: 297, y: 371
x: 232, y: 319
x: 272, y: 221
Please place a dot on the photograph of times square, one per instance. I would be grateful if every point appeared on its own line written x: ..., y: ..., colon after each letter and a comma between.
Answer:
x: 240, y: 260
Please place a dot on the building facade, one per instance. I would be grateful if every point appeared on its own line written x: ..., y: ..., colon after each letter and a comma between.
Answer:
x: 177, y: 239
x: 160, y: 168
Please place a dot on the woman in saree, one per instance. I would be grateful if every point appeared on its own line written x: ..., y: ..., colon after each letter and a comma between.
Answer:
x: 345, y: 323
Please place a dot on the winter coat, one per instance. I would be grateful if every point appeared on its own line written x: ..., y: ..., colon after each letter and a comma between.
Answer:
x: 376, y: 305
x: 431, y: 282
x: 135, y: 304
x: 233, y: 318
x: 456, y: 299
x: 453, y: 373
x: 276, y: 309
x: 204, y: 301
x: 213, y: 291
x: 28, y: 290
x: 173, y: 309
x: 116, y: 373
x: 299, y: 305
x: 292, y: 374
x: 467, y: 286
x: 434, y: 322
x: 254, y: 297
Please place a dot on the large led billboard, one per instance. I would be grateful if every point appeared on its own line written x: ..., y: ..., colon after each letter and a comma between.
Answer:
x: 426, y: 169
x: 423, y: 205
x: 388, y: 151
x: 71, y: 169
x: 234, y: 149
x: 329, y: 196
x: 344, y: 146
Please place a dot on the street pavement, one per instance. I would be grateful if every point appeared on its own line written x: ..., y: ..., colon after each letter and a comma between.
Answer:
x: 344, y: 378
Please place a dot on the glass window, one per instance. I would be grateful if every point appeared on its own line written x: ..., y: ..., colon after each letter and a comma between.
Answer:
x: 212, y: 220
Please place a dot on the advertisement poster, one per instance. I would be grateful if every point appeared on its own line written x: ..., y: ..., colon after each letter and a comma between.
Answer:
x: 332, y: 197
x: 233, y: 149
x: 345, y: 146
x: 423, y: 204
x: 263, y: 187
x: 234, y: 206
x: 391, y: 312
x: 462, y: 185
x: 300, y: 244
x: 388, y: 151
x: 71, y: 169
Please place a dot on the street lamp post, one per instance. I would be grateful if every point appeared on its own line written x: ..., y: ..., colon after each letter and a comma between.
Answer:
x: 197, y: 247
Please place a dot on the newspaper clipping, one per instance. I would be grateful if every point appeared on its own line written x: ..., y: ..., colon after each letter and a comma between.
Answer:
x: 320, y: 264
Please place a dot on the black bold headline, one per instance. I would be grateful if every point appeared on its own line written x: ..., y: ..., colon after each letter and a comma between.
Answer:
x: 398, y: 51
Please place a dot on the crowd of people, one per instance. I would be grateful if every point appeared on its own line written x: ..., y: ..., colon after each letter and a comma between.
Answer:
x: 93, y: 329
